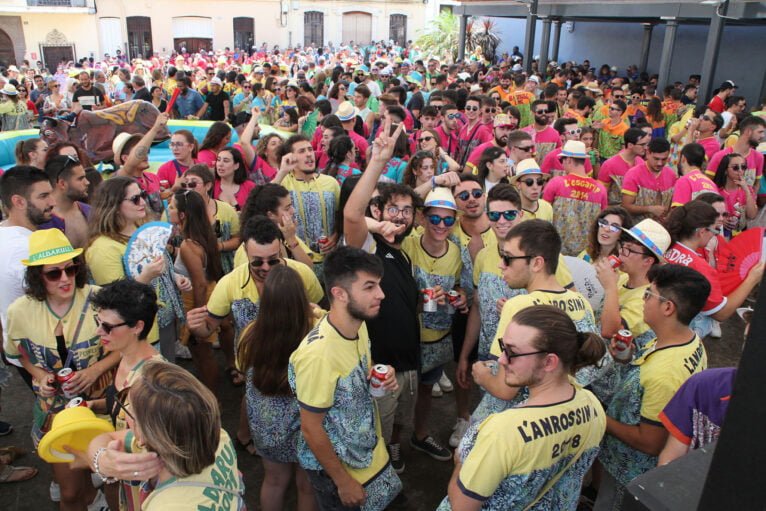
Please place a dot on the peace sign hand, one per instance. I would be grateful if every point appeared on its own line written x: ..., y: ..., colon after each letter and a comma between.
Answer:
x: 383, y: 147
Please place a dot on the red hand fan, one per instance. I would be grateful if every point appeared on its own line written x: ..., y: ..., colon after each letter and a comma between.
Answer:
x: 172, y: 101
x: 736, y: 258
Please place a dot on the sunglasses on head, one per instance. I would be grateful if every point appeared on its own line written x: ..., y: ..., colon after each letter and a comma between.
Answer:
x: 449, y: 221
x: 530, y: 181
x: 54, y: 275
x: 476, y: 193
x: 106, y: 327
x: 137, y: 198
x: 258, y: 262
x: 510, y: 215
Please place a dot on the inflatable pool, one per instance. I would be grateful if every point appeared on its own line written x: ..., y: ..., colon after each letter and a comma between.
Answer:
x: 159, y: 154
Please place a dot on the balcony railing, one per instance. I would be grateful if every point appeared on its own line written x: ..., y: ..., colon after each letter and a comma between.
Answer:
x: 57, y: 3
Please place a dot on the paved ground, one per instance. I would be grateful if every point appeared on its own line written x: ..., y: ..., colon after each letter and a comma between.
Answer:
x: 425, y: 480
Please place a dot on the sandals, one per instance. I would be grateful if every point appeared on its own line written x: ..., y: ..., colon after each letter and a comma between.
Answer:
x: 11, y: 474
x: 10, y: 454
x: 236, y: 378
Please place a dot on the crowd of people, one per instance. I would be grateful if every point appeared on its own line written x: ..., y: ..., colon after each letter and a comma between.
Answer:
x: 407, y: 216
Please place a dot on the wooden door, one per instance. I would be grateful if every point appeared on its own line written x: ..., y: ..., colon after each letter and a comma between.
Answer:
x: 53, y: 55
x: 357, y: 27
x: 313, y: 29
x: 7, y: 55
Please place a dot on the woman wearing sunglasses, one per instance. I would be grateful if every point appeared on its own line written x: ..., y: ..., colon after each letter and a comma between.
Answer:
x: 126, y: 311
x: 176, y: 450
x: 738, y: 195
x: 428, y: 140
x: 604, y: 235
x: 117, y: 211
x: 51, y: 328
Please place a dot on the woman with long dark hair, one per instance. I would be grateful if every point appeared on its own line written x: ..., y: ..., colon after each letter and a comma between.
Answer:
x: 604, y: 235
x: 31, y: 151
x: 231, y: 183
x: 284, y: 319
x: 217, y: 137
x: 199, y: 260
x: 737, y: 194
x: 342, y: 155
x: 493, y: 168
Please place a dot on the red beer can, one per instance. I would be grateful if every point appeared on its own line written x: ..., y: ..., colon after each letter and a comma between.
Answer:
x: 75, y: 402
x: 614, y: 261
x: 377, y: 377
x: 429, y: 304
x: 62, y: 377
x: 623, y: 340
x: 322, y: 240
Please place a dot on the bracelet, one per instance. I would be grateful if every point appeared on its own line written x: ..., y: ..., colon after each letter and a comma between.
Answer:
x: 97, y: 470
x: 433, y: 182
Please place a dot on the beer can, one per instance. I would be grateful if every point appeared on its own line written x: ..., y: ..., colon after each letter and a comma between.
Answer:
x: 614, y: 261
x: 429, y: 304
x: 322, y: 240
x: 164, y: 184
x: 63, y: 376
x: 75, y: 402
x: 377, y: 377
x: 623, y: 340
x: 452, y: 297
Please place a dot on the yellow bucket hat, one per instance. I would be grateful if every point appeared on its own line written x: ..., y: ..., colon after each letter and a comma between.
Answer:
x: 49, y: 246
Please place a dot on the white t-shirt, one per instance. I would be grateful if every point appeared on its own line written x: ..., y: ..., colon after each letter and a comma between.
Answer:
x: 15, y: 243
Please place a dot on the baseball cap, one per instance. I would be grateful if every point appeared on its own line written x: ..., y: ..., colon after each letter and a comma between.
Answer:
x: 215, y: 81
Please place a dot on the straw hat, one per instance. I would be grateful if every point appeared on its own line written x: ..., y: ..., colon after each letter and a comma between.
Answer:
x: 346, y: 111
x: 9, y: 90
x: 118, y: 144
x: 440, y: 197
x: 574, y: 149
x: 49, y: 246
x: 526, y: 167
x: 652, y: 235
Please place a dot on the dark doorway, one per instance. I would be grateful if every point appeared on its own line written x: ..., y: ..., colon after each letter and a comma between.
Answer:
x: 7, y: 55
x: 313, y: 29
x: 54, y: 55
x: 398, y: 29
x: 244, y: 33
x: 193, y: 44
x: 140, y: 37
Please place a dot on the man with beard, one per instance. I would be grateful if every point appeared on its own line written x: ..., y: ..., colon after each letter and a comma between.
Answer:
x: 546, y: 139
x: 239, y: 292
x: 473, y: 133
x: 395, y: 333
x: 613, y: 170
x: 751, y: 133
x: 514, y: 460
x: 503, y: 125
x: 315, y: 197
x: 341, y: 446
x: 87, y: 97
x: 27, y: 196
x: 567, y: 129
x: 70, y: 188
x: 188, y: 102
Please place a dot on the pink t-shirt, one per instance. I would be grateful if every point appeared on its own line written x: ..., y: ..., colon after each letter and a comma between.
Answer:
x: 641, y: 177
x: 207, y: 157
x: 683, y: 255
x: 267, y: 170
x: 690, y: 185
x: 479, y: 132
x: 170, y: 170
x: 552, y: 162
x: 360, y: 143
x: 475, y: 156
x: 576, y: 187
x: 616, y: 166
x: 711, y: 144
x: 545, y: 141
x: 754, y: 161
x: 448, y: 143
x: 735, y: 200
x: 241, y: 195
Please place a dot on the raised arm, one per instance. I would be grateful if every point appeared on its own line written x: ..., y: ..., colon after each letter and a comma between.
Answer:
x: 141, y: 152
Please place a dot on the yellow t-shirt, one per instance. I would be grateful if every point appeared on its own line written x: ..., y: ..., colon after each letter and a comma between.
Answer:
x: 104, y: 259
x: 632, y: 306
x: 328, y: 374
x: 219, y: 486
x: 544, y: 212
x: 236, y: 293
x: 571, y: 302
x: 515, y: 453
x: 433, y: 271
x: 315, y: 201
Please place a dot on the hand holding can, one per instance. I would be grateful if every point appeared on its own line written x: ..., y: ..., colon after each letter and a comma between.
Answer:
x: 622, y: 345
x: 377, y: 377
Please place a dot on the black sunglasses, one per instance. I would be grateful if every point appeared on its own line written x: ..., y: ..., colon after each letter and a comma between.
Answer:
x: 526, y: 149
x: 258, y: 262
x: 54, y: 275
x: 106, y: 327
x: 509, y: 354
x: 475, y: 193
x: 530, y: 181
x: 425, y: 139
x: 542, y: 112
x: 190, y: 184
x: 509, y: 214
x: 508, y: 259
x: 137, y: 198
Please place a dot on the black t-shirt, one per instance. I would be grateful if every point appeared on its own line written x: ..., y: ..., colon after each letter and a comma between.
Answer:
x: 88, y: 98
x: 215, y: 105
x: 395, y: 333
x: 143, y: 94
x: 416, y: 102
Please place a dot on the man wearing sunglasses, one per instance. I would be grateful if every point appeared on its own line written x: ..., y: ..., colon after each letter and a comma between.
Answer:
x: 634, y: 434
x: 451, y: 119
x: 546, y: 138
x: 473, y: 133
x: 502, y: 128
x: 752, y: 130
x: 577, y: 199
x: 613, y: 170
x: 568, y: 129
x: 529, y: 258
x: 70, y: 189
x: 239, y: 292
x: 707, y: 127
x: 529, y: 180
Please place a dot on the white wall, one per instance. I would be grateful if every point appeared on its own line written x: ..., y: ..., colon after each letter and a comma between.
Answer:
x: 619, y: 44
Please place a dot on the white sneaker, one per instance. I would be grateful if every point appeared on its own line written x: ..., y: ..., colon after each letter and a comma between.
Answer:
x: 459, y: 430
x: 437, y: 391
x: 716, y: 330
x: 445, y: 384
x: 182, y: 351
x: 55, y: 491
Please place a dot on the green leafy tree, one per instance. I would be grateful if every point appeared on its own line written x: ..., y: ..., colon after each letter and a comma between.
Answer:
x: 440, y: 37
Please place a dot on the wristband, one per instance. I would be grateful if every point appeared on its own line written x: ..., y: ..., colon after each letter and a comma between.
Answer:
x: 97, y: 470
x: 433, y: 182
